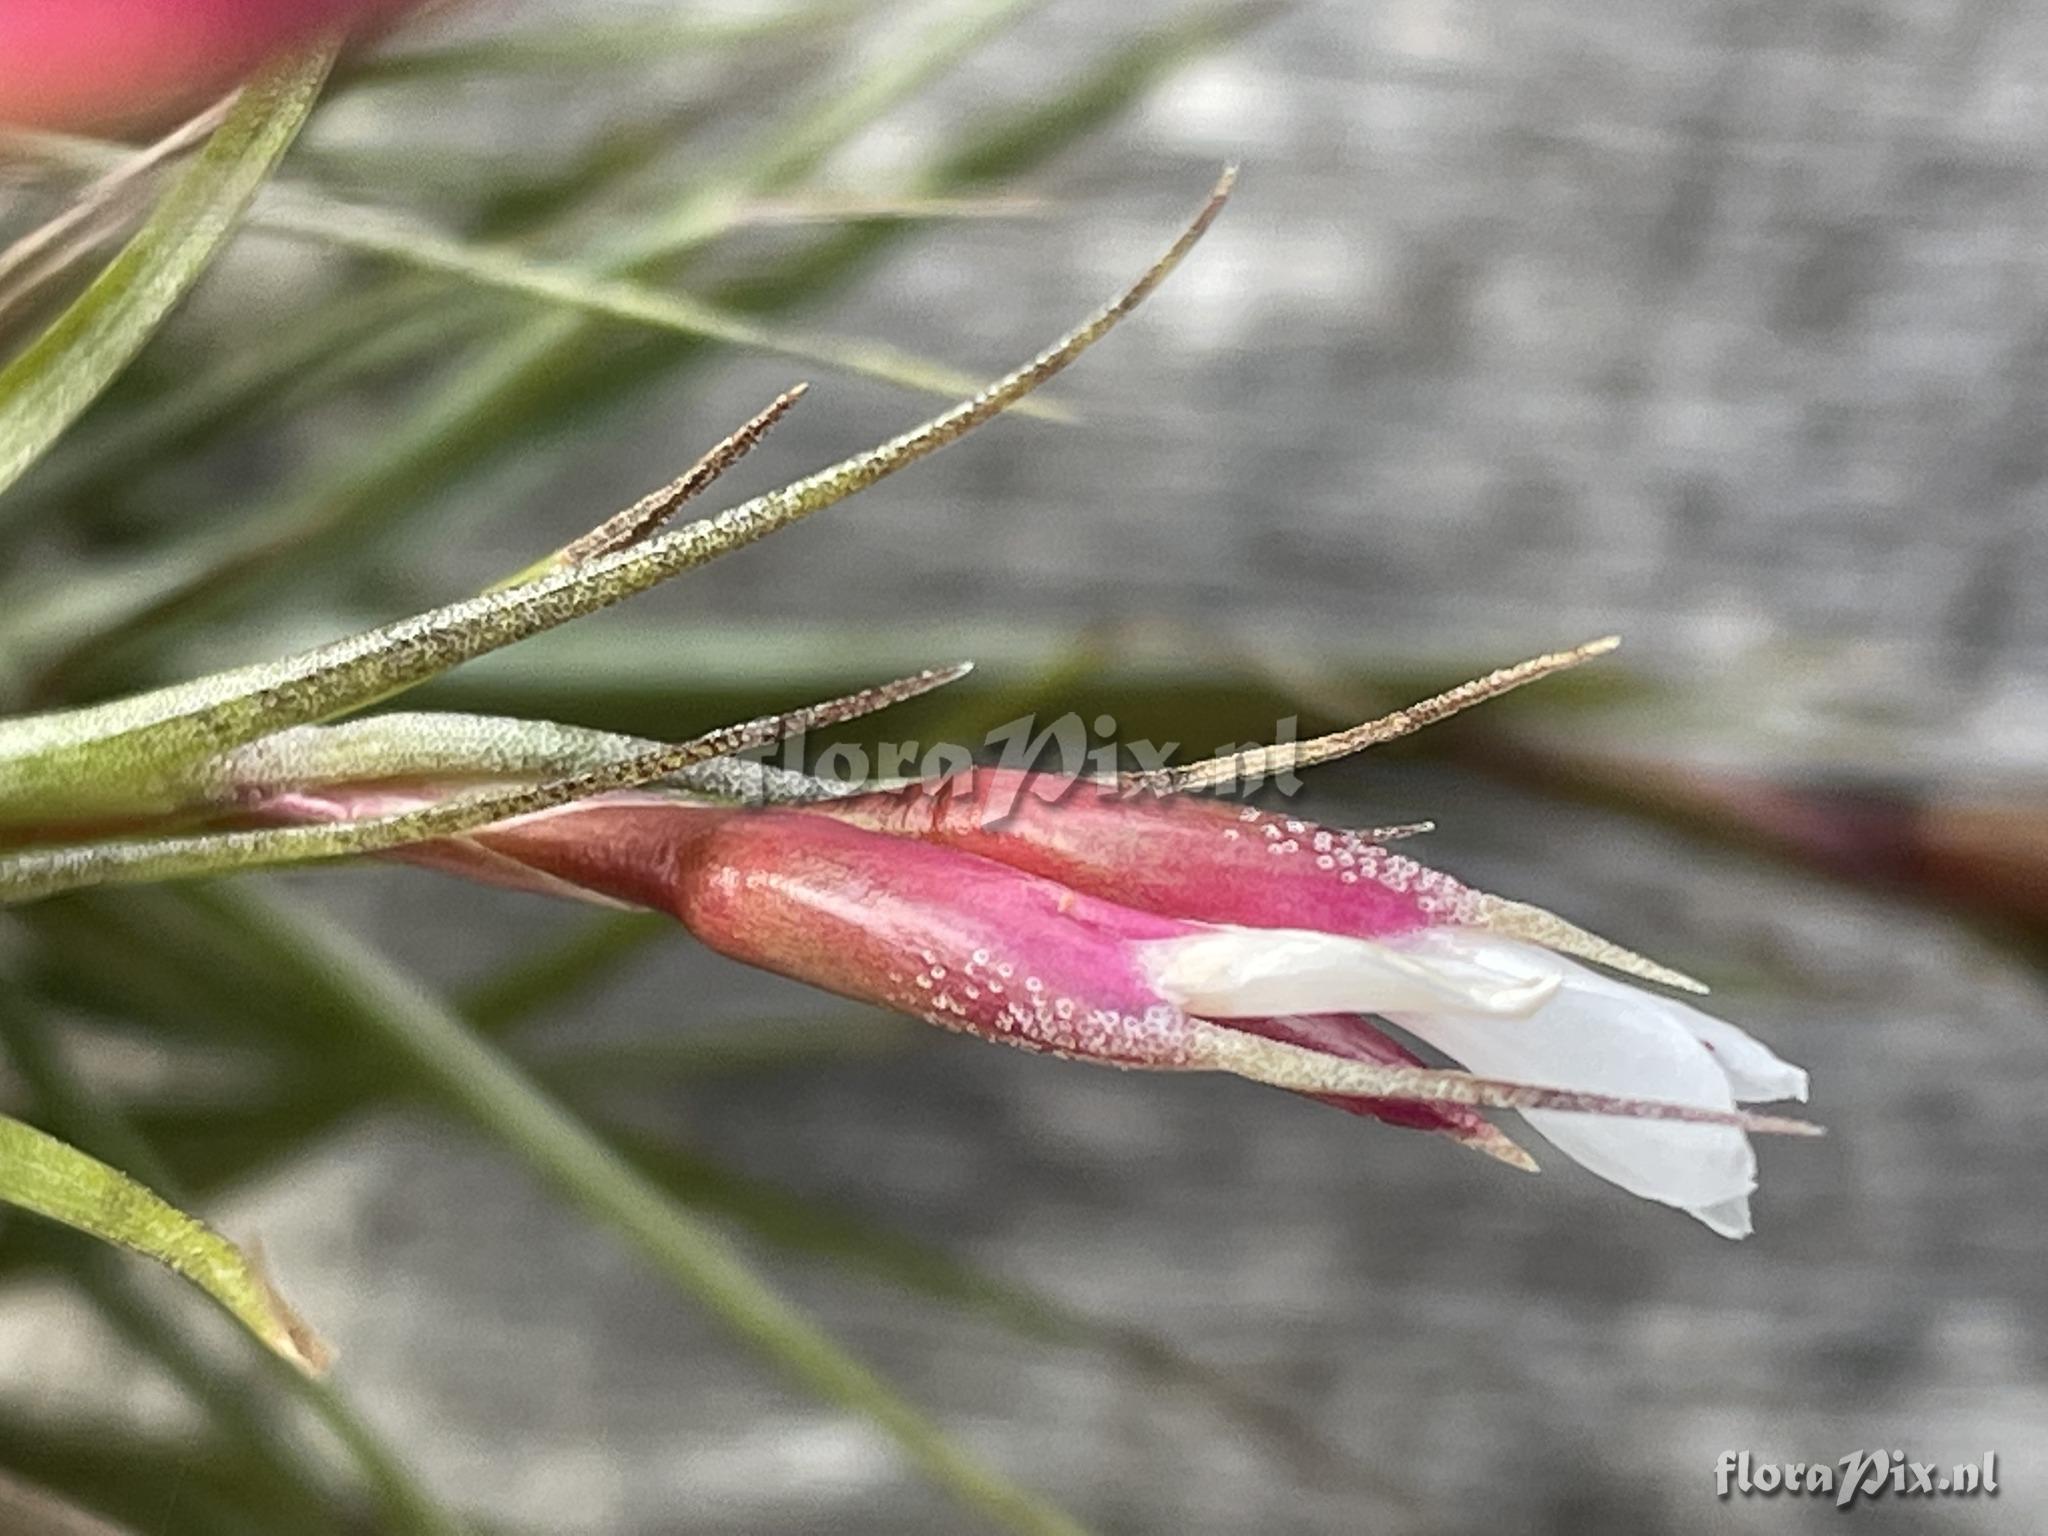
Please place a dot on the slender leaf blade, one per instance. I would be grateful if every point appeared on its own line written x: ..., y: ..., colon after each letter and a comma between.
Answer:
x: 432, y: 1046
x: 54, y: 1179
x: 538, y: 372
x: 377, y: 233
x: 62, y: 372
x: 134, y: 753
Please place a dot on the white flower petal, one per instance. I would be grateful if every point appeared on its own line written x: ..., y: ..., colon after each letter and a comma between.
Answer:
x: 1730, y: 1218
x: 1241, y: 973
x: 1754, y: 1072
x: 1602, y: 1035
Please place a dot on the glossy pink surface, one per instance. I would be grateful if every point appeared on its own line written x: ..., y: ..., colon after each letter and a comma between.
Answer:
x: 960, y: 941
x: 1189, y: 856
x: 917, y: 918
x: 75, y: 63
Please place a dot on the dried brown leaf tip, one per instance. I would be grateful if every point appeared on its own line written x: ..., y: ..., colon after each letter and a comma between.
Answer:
x: 291, y: 1335
x: 1260, y: 762
x: 624, y: 529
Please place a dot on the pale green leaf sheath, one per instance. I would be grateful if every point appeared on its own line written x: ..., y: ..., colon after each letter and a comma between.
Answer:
x: 455, y: 749
x: 137, y: 754
x: 63, y: 371
x: 42, y: 1174
x: 47, y: 871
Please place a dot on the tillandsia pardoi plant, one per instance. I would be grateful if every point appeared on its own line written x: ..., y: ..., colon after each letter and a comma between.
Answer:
x: 1135, y: 919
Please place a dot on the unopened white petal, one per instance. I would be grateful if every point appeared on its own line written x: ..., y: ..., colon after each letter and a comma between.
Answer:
x: 1730, y: 1218
x: 1755, y: 1073
x: 1241, y: 973
x: 1601, y: 1035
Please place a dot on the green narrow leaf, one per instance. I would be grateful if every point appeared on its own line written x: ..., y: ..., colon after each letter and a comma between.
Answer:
x: 95, y: 213
x: 333, y: 344
x: 129, y: 755
x: 34, y: 1511
x: 805, y: 1225
x: 42, y: 1174
x: 395, y: 1014
x: 213, y: 1148
x: 163, y: 1482
x: 302, y: 213
x: 792, y: 150
x: 552, y: 974
x: 535, y: 379
x: 273, y: 1463
x: 401, y: 318
x: 79, y: 1109
x: 63, y: 371
x: 598, y: 45
x: 375, y: 233
x: 542, y: 377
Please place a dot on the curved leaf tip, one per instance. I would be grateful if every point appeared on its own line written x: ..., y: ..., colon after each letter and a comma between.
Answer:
x: 54, y: 1179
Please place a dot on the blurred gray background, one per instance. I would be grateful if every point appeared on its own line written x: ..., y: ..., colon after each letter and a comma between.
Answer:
x: 1721, y: 324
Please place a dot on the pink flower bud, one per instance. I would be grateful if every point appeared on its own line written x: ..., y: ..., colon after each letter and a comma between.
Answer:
x: 1056, y: 930
x: 1189, y: 855
x: 76, y: 62
x: 1224, y: 864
